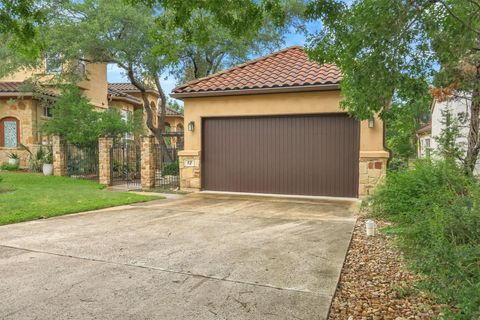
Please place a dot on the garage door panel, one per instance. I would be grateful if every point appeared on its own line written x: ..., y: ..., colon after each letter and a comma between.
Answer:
x: 304, y: 155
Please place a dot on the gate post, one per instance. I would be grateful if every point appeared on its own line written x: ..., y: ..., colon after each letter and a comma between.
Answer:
x: 59, y: 152
x: 148, y: 162
x: 105, y: 160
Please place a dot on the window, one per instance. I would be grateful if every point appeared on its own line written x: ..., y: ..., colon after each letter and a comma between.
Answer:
x: 9, y: 132
x: 53, y: 64
x: 125, y: 114
x: 47, y: 112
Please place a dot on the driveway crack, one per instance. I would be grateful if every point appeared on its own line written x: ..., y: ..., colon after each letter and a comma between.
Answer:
x: 256, y: 284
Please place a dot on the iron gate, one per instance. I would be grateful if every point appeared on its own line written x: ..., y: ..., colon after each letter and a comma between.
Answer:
x: 82, y: 161
x: 167, y: 175
x: 125, y: 164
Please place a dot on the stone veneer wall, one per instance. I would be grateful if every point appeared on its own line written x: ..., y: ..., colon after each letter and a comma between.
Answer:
x: 148, y: 162
x: 372, y: 171
x: 104, y: 161
x: 59, y: 156
x: 189, y: 170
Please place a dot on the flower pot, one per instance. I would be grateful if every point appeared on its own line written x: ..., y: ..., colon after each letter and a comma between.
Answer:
x: 47, y: 169
x: 13, y: 162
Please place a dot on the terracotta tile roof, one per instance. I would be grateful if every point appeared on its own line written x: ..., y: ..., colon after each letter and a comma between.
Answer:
x: 283, y: 69
x: 425, y: 129
x: 171, y: 112
x: 127, y: 87
x: 13, y: 88
x: 9, y: 86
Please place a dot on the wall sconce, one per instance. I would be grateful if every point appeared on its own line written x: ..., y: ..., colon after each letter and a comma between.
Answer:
x: 191, y: 126
x: 371, y: 122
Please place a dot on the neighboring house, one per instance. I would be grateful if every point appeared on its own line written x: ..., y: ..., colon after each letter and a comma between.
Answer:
x: 459, y: 108
x: 274, y: 125
x: 23, y: 113
x: 424, y: 136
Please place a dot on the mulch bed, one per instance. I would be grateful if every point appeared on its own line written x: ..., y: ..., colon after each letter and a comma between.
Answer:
x: 374, y: 283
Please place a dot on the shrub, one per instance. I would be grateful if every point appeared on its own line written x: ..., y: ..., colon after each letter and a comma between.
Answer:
x: 171, y: 169
x: 436, y: 209
x: 9, y: 167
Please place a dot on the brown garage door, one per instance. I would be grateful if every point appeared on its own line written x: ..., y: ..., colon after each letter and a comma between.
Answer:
x: 301, y: 155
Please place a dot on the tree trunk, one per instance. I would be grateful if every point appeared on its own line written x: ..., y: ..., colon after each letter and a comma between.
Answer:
x: 473, y: 146
x: 160, y: 128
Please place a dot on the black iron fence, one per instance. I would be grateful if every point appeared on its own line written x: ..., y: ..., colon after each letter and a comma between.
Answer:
x: 82, y: 161
x: 125, y: 159
x: 167, y: 175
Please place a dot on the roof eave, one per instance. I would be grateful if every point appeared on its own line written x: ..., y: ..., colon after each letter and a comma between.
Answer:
x: 308, y: 88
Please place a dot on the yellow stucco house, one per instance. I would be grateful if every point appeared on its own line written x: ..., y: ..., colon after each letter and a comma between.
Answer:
x: 22, y: 113
x: 274, y: 125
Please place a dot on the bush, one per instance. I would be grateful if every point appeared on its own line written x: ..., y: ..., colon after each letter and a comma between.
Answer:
x: 171, y: 169
x: 10, y: 167
x: 436, y: 209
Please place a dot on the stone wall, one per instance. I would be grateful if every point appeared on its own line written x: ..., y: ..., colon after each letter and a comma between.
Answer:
x: 371, y: 173
x: 189, y: 170
x: 24, y: 111
x: 148, y: 165
x: 59, y: 156
x: 104, y: 163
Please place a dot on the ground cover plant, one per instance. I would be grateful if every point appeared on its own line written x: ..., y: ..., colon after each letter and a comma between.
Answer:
x: 34, y: 196
x: 435, y: 210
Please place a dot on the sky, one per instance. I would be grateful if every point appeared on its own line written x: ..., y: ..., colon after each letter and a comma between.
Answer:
x: 169, y: 82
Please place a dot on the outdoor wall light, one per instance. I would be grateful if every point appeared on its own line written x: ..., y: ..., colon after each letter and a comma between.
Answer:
x: 191, y: 126
x: 371, y: 122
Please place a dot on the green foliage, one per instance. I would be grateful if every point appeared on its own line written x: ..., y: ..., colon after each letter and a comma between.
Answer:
x: 436, y: 211
x: 75, y: 119
x: 13, y: 155
x: 403, y: 120
x: 35, y: 159
x: 391, y: 49
x: 48, y: 157
x: 449, y: 147
x: 10, y: 167
x: 171, y: 169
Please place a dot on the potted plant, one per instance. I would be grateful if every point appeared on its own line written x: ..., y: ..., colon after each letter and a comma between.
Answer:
x: 13, y: 159
x: 47, y: 167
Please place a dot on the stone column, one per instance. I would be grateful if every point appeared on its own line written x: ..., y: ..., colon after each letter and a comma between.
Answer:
x: 148, y: 162
x: 373, y: 168
x: 105, y: 160
x: 189, y: 161
x: 59, y: 151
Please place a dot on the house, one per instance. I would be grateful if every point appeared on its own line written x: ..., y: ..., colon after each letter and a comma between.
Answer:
x: 22, y: 113
x: 274, y: 125
x: 458, y: 106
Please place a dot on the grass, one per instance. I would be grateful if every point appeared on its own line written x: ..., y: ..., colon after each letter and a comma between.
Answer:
x: 28, y: 196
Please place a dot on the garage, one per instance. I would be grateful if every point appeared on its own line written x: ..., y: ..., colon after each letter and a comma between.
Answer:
x: 274, y: 125
x: 297, y: 155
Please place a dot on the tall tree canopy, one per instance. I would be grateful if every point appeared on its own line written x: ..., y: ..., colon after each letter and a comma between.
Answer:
x: 390, y: 51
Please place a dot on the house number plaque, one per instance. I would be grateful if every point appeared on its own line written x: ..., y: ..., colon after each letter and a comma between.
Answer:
x: 189, y: 163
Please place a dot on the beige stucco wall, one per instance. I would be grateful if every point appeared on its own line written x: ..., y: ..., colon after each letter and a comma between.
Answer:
x: 371, y: 139
x: 96, y: 85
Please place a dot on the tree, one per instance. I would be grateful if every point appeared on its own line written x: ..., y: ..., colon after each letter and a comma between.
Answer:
x: 207, y: 46
x: 107, y: 31
x: 76, y: 120
x: 390, y: 51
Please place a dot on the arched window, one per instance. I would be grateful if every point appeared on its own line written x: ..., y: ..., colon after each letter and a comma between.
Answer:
x: 179, y: 127
x: 9, y: 132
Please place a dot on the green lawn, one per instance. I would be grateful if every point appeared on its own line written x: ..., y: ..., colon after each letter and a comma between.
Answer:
x: 27, y: 196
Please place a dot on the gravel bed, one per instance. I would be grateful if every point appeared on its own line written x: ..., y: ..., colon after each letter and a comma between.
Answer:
x: 375, y: 285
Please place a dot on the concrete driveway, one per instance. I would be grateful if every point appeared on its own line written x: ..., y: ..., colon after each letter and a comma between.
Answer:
x: 198, y: 257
